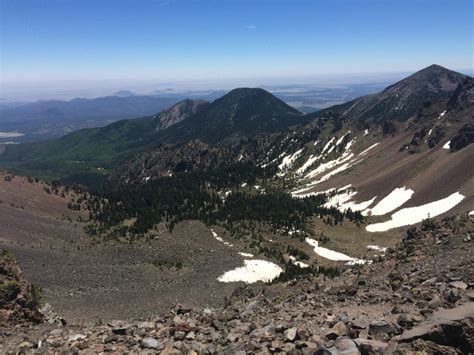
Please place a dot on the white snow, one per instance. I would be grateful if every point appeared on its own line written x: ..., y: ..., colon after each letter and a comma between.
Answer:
x: 214, y: 234
x: 413, y: 215
x: 338, y: 170
x: 331, y: 254
x: 326, y: 147
x: 328, y: 165
x: 392, y: 201
x: 294, y: 232
x: 342, y: 201
x: 340, y: 198
x: 447, y: 145
x: 246, y: 255
x: 330, y: 149
x: 354, y: 206
x: 442, y: 114
x: 244, y: 184
x: 471, y: 213
x: 366, y: 132
x: 252, y: 271
x: 311, y: 160
x: 300, y: 193
x: 289, y: 159
x: 365, y: 151
x: 316, y: 142
x: 339, y: 141
x: 298, y: 263
x: 146, y: 178
x: 377, y: 248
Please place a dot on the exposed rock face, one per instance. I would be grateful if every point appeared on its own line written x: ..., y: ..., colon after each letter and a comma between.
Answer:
x: 400, y: 305
x: 447, y: 327
x: 464, y: 137
x: 179, y: 112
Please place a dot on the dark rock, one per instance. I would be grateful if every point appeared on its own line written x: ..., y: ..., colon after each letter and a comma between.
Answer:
x: 382, y: 327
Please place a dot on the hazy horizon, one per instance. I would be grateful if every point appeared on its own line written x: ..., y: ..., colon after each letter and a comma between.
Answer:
x: 71, y: 89
x: 103, y: 46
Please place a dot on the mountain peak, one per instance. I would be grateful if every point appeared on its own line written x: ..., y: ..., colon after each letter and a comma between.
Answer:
x: 254, y: 97
x: 400, y: 101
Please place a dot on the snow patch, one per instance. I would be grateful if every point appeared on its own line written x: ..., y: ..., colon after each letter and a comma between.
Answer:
x: 377, y: 248
x: 246, y: 255
x: 252, y: 271
x: 214, y: 234
x: 289, y: 160
x: 328, y: 144
x: 333, y: 255
x: 342, y: 201
x: 311, y: 160
x: 413, y: 215
x: 447, y: 145
x: 298, y: 263
x: 339, y: 141
x: 367, y: 150
x: 392, y: 201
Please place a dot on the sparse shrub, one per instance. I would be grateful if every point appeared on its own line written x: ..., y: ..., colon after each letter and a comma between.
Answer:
x: 8, y: 291
x: 33, y: 297
x: 167, y: 264
x: 428, y: 224
x: 7, y: 255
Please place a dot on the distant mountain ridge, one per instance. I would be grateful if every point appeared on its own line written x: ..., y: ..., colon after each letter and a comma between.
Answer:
x: 52, y: 118
x: 247, y: 123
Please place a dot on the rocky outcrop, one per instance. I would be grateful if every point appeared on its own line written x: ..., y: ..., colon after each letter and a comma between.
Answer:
x: 179, y: 112
x: 19, y: 301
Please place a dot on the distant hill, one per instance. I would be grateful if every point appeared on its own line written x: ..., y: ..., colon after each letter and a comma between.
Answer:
x: 124, y: 93
x: 240, y: 113
x: 46, y: 119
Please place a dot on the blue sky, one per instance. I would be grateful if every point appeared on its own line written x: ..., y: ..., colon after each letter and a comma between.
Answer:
x: 186, y: 40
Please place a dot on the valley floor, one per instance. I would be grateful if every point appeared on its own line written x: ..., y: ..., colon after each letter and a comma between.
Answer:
x: 418, y: 298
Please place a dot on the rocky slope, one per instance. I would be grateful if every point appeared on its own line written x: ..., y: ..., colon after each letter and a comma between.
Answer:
x: 402, y: 100
x: 179, y: 112
x: 417, y: 297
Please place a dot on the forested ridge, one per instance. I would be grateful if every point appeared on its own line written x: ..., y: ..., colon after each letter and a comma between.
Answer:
x: 222, y: 195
